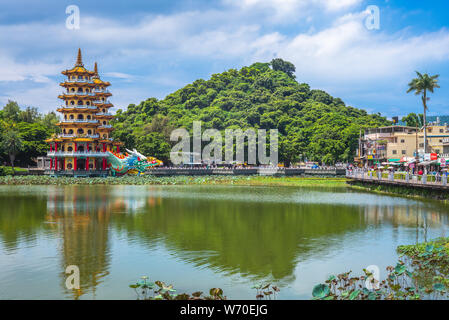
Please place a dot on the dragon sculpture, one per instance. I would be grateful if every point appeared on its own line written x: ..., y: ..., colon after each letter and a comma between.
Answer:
x: 132, y: 163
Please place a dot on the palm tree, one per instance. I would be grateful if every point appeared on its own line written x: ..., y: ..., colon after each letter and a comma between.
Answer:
x: 12, y: 144
x: 421, y: 85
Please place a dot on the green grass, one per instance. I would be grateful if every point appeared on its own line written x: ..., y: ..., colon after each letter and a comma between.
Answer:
x: 7, y: 170
x: 179, y: 180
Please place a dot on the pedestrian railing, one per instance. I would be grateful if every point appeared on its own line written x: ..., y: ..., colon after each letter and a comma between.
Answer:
x: 424, y: 179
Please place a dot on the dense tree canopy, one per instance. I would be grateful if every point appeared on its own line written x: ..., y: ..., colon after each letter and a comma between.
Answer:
x: 23, y: 133
x: 284, y: 66
x: 312, y: 124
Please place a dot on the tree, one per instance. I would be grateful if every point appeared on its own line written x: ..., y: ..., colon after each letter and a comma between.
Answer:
x: 30, y: 115
x: 50, y: 120
x: 413, y: 120
x: 12, y: 144
x: 421, y: 86
x: 33, y: 137
x: 155, y: 145
x: 284, y: 66
x: 11, y: 111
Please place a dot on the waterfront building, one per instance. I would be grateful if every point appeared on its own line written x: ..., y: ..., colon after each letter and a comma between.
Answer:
x: 396, y: 144
x: 385, y: 144
x: 85, y: 139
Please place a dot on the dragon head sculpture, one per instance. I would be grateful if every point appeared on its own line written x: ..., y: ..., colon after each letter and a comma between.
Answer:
x: 133, y: 162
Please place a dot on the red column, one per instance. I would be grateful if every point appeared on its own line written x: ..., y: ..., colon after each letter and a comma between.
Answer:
x: 63, y: 164
x: 56, y: 159
x: 104, y: 159
x: 51, y: 164
x: 74, y: 159
x: 87, y: 163
x: 118, y: 149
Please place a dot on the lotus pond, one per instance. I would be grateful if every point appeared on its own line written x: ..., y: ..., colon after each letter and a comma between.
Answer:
x: 199, y: 237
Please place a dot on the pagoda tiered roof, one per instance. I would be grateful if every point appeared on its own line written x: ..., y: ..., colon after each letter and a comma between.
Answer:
x: 85, y: 107
x: 78, y: 68
x: 96, y: 78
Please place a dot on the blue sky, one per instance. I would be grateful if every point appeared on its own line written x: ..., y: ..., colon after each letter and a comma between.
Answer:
x: 150, y: 48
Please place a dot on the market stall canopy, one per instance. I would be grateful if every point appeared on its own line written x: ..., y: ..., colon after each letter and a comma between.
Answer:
x: 428, y: 163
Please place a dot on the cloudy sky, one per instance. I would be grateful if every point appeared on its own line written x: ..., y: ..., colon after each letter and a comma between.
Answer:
x: 149, y: 48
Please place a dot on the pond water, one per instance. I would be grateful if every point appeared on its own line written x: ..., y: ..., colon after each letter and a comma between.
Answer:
x: 199, y: 237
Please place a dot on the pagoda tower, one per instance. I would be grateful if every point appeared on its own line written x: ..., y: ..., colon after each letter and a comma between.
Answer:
x: 82, y: 146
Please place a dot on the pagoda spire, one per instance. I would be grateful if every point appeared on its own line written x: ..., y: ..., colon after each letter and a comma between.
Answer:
x: 79, y: 59
x: 96, y: 69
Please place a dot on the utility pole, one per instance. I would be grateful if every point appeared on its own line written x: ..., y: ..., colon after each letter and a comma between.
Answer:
x: 360, y: 143
x: 416, y: 147
x: 425, y: 120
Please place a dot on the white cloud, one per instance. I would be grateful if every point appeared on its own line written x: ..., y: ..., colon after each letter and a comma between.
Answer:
x: 34, y: 71
x: 119, y: 75
x: 335, y: 5
x: 349, y: 51
x: 42, y: 96
x: 344, y: 57
x: 287, y: 10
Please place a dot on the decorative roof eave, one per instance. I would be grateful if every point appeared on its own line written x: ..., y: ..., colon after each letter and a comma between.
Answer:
x: 77, y: 84
x: 78, y: 110
x: 103, y: 94
x: 103, y: 105
x: 78, y: 70
x: 77, y: 124
x: 53, y: 140
x: 104, y: 129
x: 83, y: 139
x: 104, y: 116
x: 76, y: 95
x: 101, y: 82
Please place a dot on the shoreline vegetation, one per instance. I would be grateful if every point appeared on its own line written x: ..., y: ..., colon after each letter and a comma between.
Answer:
x: 421, y: 273
x: 330, y: 182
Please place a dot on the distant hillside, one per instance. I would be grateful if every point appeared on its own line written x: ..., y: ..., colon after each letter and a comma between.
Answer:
x: 312, y: 124
x: 443, y: 119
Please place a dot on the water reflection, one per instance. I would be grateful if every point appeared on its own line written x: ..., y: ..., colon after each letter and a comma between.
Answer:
x: 83, y: 217
x: 255, y: 233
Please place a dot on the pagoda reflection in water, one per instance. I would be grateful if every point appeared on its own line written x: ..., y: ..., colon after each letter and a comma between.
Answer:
x: 83, y: 218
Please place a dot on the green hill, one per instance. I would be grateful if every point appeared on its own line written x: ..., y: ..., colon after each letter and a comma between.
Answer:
x: 312, y: 124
